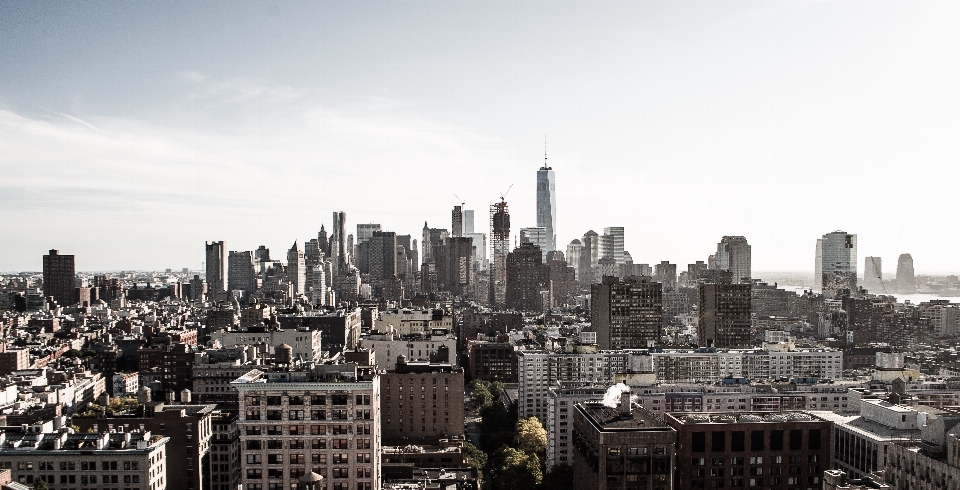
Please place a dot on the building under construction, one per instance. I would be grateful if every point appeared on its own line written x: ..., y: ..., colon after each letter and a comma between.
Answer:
x: 499, y: 248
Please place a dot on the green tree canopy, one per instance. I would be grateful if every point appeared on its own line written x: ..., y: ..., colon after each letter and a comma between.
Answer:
x: 516, y: 470
x: 531, y: 436
x: 480, y: 394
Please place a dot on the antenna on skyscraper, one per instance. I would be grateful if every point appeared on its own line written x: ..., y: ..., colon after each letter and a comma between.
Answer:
x: 545, y: 167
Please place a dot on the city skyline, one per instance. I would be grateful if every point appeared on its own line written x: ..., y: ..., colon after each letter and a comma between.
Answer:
x: 134, y: 134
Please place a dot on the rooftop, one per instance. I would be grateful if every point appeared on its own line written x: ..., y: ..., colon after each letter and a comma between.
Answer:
x: 605, y: 418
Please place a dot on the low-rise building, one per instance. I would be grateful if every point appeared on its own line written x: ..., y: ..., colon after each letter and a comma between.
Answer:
x: 63, y: 459
x: 755, y: 450
x: 625, y: 447
x: 296, y: 422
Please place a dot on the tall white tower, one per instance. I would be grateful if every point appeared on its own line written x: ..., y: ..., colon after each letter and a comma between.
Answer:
x: 547, y: 202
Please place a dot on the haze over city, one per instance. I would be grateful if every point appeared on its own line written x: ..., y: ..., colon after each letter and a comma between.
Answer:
x: 132, y: 133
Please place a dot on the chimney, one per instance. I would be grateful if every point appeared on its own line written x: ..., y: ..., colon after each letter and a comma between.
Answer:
x: 625, y: 403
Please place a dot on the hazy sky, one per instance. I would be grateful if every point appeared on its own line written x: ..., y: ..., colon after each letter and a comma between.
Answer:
x: 131, y: 132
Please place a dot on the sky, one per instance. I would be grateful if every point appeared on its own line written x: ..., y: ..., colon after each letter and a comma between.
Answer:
x: 133, y: 132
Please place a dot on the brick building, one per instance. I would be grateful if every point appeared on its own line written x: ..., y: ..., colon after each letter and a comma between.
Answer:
x: 755, y: 450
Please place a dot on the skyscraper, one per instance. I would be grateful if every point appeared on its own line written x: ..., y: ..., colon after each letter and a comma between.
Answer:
x: 499, y: 248
x: 365, y: 231
x: 297, y: 269
x: 589, y: 258
x: 906, y: 282
x: 538, y: 236
x: 611, y: 243
x: 456, y: 221
x: 547, y: 203
x: 242, y: 271
x: 467, y: 221
x: 838, y: 262
x: 59, y: 278
x: 724, y: 314
x: 526, y: 278
x: 873, y: 273
x: 338, y: 241
x: 733, y: 254
x: 626, y: 314
x: 574, y: 251
x: 216, y: 267
x: 382, y: 255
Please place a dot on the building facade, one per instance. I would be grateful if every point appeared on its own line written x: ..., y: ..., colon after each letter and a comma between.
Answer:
x: 626, y: 314
x: 216, y: 255
x: 291, y: 425
x: 838, y: 262
x: 59, y: 278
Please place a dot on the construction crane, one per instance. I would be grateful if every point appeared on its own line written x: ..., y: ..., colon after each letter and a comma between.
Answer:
x: 876, y: 268
x: 462, y: 202
x: 503, y: 197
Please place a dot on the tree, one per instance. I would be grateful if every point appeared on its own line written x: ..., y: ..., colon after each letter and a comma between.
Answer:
x: 41, y: 485
x: 531, y: 436
x: 516, y: 470
x: 475, y: 457
x: 480, y: 394
x: 560, y: 477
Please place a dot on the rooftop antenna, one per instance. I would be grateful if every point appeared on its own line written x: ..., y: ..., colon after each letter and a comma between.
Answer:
x: 545, y: 167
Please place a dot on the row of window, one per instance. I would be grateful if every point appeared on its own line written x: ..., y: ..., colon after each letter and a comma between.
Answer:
x: 334, y: 414
x: 300, y: 400
x: 294, y: 486
x: 296, y: 473
x: 718, y: 440
x: 315, y: 430
x: 72, y: 465
x: 316, y: 458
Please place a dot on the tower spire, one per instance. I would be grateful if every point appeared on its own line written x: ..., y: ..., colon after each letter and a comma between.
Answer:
x: 545, y: 151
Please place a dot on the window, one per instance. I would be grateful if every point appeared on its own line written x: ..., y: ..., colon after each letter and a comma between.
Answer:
x: 756, y: 440
x: 796, y: 439
x: 737, y: 441
x: 699, y: 442
x: 718, y: 441
x: 776, y: 440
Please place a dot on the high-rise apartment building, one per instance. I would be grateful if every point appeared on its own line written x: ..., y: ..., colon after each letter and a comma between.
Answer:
x: 838, y: 263
x: 906, y: 282
x: 526, y: 278
x: 733, y: 254
x: 724, y: 320
x: 382, y: 255
x: 873, y: 274
x: 626, y: 314
x: 59, y: 278
x: 216, y: 267
x: 242, y: 271
x: 547, y: 204
x: 499, y: 248
x: 297, y: 269
x: 454, y: 264
x: 294, y: 422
